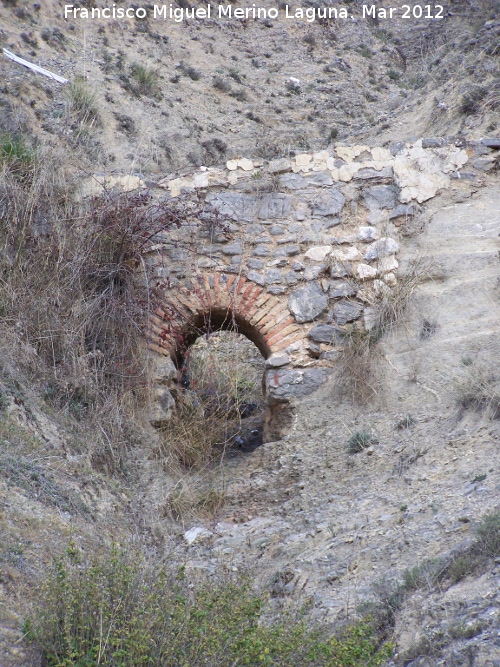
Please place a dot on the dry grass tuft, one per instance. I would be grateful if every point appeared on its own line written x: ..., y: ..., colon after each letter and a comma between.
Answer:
x: 477, y: 388
x: 359, y: 370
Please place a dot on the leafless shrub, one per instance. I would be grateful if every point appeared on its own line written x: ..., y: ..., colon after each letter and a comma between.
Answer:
x: 193, y: 498
x: 391, y: 303
x: 357, y: 364
x: 72, y: 307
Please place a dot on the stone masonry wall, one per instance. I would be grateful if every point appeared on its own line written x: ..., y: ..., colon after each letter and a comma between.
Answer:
x: 300, y: 249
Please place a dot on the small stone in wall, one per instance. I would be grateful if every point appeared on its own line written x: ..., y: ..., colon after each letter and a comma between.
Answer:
x: 273, y: 276
x: 232, y: 249
x: 434, y: 142
x: 279, y: 166
x: 324, y: 333
x: 485, y: 163
x: 381, y: 248
x: 328, y: 203
x: 245, y: 164
x: 235, y: 206
x: 381, y: 196
x: 369, y: 172
x: 403, y: 209
x: 346, y: 311
x: 365, y: 272
x: 255, y: 277
x: 293, y: 182
x: 303, y: 160
x: 306, y: 303
x: 367, y: 234
x: 350, y: 254
x: 341, y: 288
x: 318, y: 253
x: 320, y: 179
x: 261, y: 251
x: 491, y: 142
x: 289, y: 250
x: 313, y: 272
x: 275, y: 206
x: 255, y: 264
x: 340, y: 270
x: 291, y: 278
x: 283, y: 384
x: 278, y: 359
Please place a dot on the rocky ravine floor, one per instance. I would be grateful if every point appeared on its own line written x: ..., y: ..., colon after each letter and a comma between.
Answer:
x: 311, y: 519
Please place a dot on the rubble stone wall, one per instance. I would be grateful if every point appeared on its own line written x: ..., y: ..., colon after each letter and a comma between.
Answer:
x: 301, y: 250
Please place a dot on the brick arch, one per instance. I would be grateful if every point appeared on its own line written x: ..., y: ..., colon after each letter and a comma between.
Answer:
x: 214, y: 301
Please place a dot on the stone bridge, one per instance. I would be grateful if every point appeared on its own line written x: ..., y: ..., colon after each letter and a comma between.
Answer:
x: 294, y: 252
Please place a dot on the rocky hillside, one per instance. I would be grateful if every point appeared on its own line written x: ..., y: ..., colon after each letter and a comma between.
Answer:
x: 381, y: 504
x: 165, y: 95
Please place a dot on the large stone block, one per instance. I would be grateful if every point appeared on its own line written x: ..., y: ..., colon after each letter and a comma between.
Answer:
x: 341, y: 288
x: 275, y: 206
x: 381, y: 196
x: 328, y: 203
x: 346, y: 311
x: 306, y: 303
x: 293, y: 182
x: 324, y: 333
x: 235, y: 206
x: 284, y: 384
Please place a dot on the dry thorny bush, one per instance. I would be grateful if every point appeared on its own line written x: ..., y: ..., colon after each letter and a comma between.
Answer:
x: 72, y: 308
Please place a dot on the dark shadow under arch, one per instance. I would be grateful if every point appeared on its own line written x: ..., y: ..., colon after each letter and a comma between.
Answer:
x: 221, y: 319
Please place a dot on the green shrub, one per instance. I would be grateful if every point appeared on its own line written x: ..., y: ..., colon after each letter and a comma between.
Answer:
x: 392, y: 74
x: 120, y: 611
x: 423, y: 575
x: 360, y: 440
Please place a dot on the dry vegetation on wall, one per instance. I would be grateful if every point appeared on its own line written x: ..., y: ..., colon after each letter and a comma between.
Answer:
x: 359, y: 365
x: 75, y: 299
x: 72, y: 311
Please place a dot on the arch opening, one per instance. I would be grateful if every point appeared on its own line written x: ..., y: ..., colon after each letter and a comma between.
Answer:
x: 219, y: 319
x: 221, y: 406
